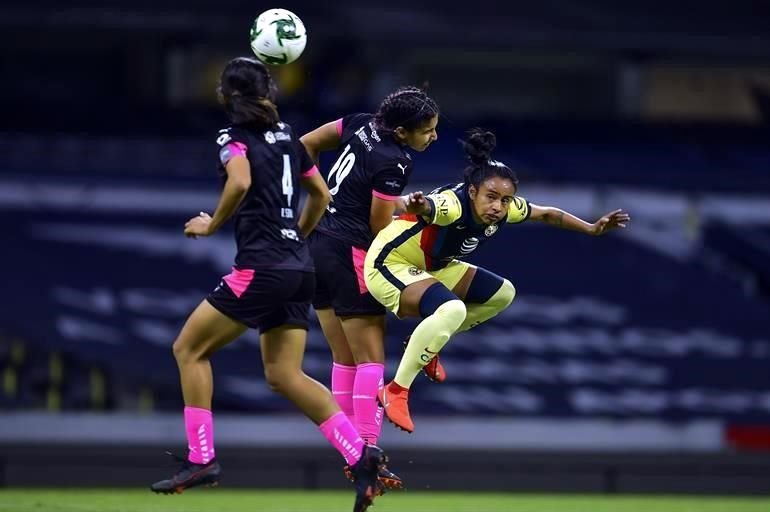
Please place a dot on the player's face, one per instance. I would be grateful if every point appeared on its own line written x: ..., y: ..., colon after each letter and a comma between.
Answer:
x: 492, y: 199
x: 421, y: 137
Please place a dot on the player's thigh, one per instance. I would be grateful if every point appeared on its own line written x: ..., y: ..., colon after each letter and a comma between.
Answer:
x: 206, y: 330
x: 389, y: 279
x: 457, y: 276
x: 409, y: 305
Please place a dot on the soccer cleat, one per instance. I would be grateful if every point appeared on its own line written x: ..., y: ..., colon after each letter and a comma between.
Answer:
x: 395, y: 401
x: 434, y: 370
x: 366, y: 476
x: 388, y: 479
x: 189, y: 475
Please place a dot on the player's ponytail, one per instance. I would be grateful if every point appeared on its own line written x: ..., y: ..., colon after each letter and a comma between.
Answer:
x: 248, y: 93
x: 478, y: 146
x: 409, y: 107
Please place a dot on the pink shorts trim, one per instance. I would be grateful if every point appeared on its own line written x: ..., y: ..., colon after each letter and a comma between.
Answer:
x: 239, y: 280
x: 384, y: 197
x: 359, y: 255
x: 338, y: 125
x: 310, y: 172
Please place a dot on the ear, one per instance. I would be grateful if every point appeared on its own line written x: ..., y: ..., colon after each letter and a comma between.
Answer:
x: 400, y: 133
x: 472, y: 191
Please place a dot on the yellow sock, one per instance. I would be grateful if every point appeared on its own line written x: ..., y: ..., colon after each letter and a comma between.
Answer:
x: 427, y: 340
x: 479, y: 313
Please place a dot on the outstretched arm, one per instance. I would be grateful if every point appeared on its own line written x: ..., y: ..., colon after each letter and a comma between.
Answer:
x: 565, y: 220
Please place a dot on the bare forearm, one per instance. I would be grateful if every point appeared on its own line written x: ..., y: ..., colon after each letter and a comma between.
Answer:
x: 561, y: 219
x: 232, y: 195
x: 311, y: 213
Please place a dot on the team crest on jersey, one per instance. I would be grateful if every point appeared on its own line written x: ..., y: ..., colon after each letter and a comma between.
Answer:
x: 270, y: 137
x: 414, y: 271
x: 491, y: 230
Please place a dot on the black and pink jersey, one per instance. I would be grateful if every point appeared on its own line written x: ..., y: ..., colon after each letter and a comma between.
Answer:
x: 266, y: 229
x: 367, y: 164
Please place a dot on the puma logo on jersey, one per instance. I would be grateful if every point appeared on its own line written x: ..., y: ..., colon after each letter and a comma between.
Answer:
x: 402, y: 167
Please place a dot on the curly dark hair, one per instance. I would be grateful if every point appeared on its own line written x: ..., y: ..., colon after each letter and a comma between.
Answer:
x: 409, y: 107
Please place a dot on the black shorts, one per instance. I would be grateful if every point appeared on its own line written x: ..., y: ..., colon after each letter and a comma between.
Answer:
x: 339, y: 270
x: 263, y: 299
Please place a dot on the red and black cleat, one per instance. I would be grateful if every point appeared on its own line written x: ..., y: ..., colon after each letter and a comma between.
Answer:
x: 366, y: 477
x: 388, y: 479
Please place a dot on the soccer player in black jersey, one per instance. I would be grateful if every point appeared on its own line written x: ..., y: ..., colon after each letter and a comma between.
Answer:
x: 270, y: 288
x: 371, y: 169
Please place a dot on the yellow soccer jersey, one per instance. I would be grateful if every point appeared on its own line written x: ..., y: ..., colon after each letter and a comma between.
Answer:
x: 450, y: 234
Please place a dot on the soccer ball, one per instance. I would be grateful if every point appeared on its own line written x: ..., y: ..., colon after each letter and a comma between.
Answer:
x: 278, y: 37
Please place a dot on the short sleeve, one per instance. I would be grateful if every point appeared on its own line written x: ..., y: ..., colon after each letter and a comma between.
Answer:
x: 518, y: 211
x: 446, y: 208
x: 347, y: 125
x: 231, y: 144
x: 307, y: 167
x: 389, y: 183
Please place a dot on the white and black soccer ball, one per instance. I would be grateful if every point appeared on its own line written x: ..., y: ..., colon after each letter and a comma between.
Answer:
x: 278, y: 37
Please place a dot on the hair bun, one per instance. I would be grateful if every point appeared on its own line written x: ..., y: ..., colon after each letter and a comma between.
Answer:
x: 478, y: 145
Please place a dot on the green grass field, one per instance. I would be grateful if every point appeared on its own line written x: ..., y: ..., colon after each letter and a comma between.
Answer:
x: 219, y: 500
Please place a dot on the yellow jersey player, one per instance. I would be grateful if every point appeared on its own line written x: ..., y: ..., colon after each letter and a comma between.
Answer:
x: 414, y: 266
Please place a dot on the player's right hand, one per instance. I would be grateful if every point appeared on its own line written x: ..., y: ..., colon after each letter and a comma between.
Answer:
x: 198, y: 226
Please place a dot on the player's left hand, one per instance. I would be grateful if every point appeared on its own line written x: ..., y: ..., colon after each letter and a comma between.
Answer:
x: 610, y: 221
x: 198, y: 226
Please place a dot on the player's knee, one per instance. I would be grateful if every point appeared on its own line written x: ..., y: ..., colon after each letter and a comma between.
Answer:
x: 187, y: 350
x: 280, y: 379
x: 275, y: 379
x: 505, y: 294
x: 181, y: 350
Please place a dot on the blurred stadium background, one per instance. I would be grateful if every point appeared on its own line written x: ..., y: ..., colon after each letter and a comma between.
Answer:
x: 635, y: 363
